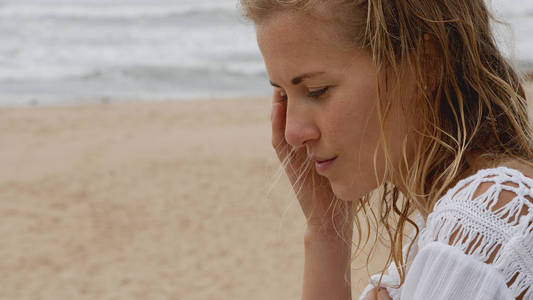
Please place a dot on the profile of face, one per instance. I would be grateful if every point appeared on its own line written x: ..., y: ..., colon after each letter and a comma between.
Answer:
x: 330, y: 96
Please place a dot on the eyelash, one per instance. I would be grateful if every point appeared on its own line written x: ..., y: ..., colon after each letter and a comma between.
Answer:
x: 318, y: 93
x: 314, y: 94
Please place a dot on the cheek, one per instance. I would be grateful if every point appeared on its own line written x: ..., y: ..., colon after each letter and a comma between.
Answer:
x: 355, y: 133
x: 355, y: 126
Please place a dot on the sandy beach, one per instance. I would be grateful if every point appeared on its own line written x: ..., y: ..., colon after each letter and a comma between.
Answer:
x: 160, y: 200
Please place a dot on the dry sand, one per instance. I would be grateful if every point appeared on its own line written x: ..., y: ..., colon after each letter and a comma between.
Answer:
x: 147, y: 201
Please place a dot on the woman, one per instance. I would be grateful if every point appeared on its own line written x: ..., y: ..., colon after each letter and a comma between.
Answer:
x: 411, y: 100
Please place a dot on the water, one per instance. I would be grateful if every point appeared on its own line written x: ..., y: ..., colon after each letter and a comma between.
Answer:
x: 82, y: 51
x: 92, y: 50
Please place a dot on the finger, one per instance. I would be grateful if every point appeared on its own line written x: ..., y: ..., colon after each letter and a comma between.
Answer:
x: 383, y: 294
x: 278, y: 128
x: 279, y: 109
x: 275, y: 100
x: 278, y: 119
x: 371, y: 295
x: 276, y: 97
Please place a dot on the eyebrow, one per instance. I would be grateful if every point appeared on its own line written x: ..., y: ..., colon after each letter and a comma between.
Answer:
x: 298, y: 79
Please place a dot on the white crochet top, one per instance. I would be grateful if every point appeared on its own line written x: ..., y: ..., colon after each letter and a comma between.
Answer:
x: 440, y: 269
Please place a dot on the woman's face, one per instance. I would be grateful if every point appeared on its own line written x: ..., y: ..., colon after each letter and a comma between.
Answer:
x: 330, y: 100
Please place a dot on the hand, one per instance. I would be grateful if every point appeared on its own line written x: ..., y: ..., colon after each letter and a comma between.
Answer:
x: 321, y: 217
x: 376, y: 294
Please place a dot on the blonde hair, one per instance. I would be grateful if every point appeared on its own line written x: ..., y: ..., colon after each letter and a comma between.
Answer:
x: 471, y: 98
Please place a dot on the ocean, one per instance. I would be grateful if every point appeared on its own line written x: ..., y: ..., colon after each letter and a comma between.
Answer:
x: 86, y: 51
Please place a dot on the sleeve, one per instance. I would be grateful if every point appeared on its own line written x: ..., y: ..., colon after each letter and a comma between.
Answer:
x: 391, y: 279
x: 478, y: 242
x: 442, y: 272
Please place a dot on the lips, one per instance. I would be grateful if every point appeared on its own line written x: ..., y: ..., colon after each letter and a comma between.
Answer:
x: 318, y: 159
x: 326, y: 160
x: 323, y: 165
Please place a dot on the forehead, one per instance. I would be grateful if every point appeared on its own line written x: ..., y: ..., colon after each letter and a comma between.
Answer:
x: 295, y: 42
x: 289, y: 32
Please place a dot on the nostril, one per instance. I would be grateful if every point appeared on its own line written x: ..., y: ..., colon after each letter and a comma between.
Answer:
x: 301, y: 137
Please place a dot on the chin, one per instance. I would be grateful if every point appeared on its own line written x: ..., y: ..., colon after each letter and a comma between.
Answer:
x: 348, y: 192
x: 342, y: 192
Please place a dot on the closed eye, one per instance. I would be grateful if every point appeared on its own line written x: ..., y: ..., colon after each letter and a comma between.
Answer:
x: 318, y: 93
x: 313, y: 94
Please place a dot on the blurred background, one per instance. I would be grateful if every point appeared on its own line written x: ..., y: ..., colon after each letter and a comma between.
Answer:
x: 82, y: 51
x: 136, y: 158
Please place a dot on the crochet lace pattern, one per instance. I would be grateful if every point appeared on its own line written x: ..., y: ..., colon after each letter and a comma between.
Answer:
x: 483, y: 230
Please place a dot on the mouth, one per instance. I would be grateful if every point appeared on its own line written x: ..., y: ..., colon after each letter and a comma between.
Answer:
x: 322, y: 166
x: 326, y: 160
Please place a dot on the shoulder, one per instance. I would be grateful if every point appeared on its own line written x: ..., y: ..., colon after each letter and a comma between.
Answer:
x: 502, y: 195
x: 489, y: 216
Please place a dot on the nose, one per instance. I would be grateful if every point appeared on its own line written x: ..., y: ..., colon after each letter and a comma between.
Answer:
x: 300, y: 126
